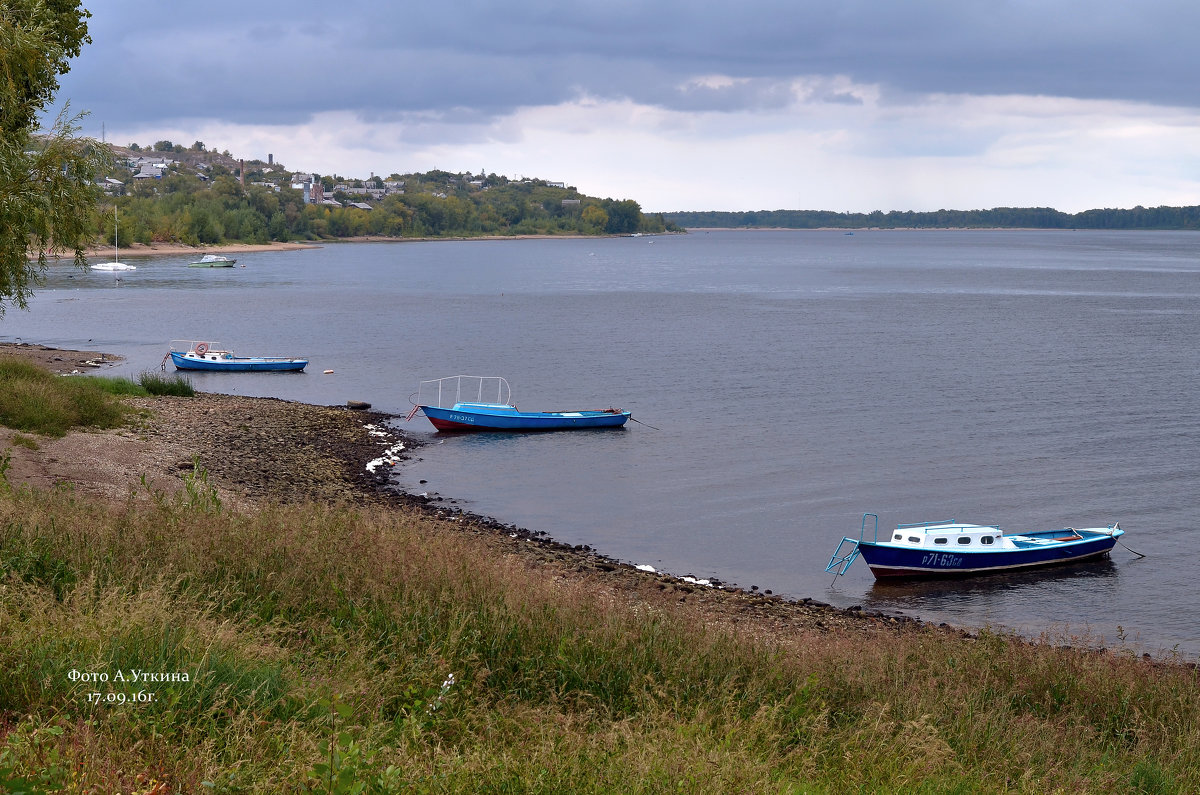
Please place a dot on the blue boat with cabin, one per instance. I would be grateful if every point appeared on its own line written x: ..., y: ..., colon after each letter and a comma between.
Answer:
x: 193, y: 355
x: 950, y: 548
x: 464, y: 403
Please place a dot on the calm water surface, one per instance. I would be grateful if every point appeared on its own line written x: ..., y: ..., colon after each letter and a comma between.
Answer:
x: 794, y: 381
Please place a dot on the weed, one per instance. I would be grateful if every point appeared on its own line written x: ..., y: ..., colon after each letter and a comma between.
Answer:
x: 161, y: 384
x: 201, y: 495
x: 28, y: 442
x: 346, y: 767
x: 31, y: 764
x: 117, y: 386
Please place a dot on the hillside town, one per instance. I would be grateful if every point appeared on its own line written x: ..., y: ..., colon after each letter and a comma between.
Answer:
x: 144, y: 166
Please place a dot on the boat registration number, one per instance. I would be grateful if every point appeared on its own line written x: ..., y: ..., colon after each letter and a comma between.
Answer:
x: 942, y: 560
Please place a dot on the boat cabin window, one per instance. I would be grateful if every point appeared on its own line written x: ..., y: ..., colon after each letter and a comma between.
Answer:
x: 986, y: 540
x: 940, y: 541
x: 915, y: 539
x: 964, y: 539
x: 898, y: 537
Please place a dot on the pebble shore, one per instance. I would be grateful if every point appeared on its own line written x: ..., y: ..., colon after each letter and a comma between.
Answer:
x: 267, y: 449
x: 260, y: 450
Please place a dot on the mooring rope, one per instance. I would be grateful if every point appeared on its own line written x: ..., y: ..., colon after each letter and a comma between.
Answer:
x: 1134, y: 551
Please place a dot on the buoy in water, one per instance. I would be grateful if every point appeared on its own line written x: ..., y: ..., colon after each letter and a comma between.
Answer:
x: 328, y: 372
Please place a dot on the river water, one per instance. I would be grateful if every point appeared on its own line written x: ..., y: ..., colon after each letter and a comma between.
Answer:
x: 786, y: 382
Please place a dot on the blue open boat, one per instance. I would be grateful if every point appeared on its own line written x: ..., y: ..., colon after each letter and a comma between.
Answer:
x: 951, y: 548
x: 189, y: 355
x: 442, y: 402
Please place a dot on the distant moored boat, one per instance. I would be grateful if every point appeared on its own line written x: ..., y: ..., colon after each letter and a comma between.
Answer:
x: 213, y: 261
x: 188, y: 355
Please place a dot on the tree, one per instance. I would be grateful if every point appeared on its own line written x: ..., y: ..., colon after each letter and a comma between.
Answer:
x: 47, y: 181
x: 623, y: 216
x: 595, y: 218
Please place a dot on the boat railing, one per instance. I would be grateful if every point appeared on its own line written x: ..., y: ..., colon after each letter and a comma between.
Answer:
x: 184, y: 346
x: 445, y: 392
x: 939, y: 523
x: 844, y: 559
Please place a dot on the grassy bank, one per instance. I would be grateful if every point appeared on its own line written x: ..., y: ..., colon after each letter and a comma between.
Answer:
x: 324, y: 645
x: 34, y: 399
x: 171, y: 643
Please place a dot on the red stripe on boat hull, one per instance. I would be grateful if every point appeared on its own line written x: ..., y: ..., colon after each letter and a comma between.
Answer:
x: 446, y: 425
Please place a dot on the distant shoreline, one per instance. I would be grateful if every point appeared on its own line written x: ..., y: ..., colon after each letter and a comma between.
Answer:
x: 166, y: 249
x: 846, y: 229
x: 172, y: 249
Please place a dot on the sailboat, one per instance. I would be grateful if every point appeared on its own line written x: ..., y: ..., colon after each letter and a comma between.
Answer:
x: 115, y: 265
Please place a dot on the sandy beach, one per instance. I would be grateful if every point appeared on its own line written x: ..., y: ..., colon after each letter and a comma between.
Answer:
x: 175, y: 249
x: 172, y: 249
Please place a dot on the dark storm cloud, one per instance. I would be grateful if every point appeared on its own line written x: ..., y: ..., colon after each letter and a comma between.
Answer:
x: 277, y: 62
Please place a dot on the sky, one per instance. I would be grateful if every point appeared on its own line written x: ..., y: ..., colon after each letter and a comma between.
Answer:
x: 844, y: 105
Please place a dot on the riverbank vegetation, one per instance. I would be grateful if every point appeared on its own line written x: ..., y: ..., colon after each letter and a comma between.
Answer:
x: 172, y: 643
x: 47, y: 180
x: 210, y: 200
x: 33, y: 399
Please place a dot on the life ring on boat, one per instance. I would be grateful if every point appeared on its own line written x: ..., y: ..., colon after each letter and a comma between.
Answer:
x: 202, y: 348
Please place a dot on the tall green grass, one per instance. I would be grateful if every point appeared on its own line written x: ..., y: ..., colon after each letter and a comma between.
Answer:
x: 331, y: 648
x: 34, y: 399
x: 116, y: 385
x: 163, y: 384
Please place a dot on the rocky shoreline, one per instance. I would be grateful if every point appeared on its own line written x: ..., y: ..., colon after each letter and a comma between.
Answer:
x: 264, y: 449
x: 256, y: 451
x: 57, y: 360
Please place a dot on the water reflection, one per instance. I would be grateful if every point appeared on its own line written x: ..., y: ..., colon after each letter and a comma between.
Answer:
x: 957, y: 594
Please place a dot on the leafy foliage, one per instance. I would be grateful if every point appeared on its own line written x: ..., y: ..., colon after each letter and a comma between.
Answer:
x: 180, y: 208
x: 47, y: 190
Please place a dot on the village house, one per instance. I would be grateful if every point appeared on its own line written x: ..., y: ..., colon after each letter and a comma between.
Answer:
x: 310, y: 186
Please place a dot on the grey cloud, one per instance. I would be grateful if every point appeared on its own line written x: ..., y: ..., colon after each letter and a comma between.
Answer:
x: 277, y: 62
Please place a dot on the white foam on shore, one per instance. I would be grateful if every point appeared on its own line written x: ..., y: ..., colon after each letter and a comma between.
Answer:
x: 390, y: 456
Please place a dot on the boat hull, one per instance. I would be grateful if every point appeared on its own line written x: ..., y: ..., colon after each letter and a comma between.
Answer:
x: 212, y: 261
x: 238, y: 363
x: 501, y: 419
x: 889, y: 562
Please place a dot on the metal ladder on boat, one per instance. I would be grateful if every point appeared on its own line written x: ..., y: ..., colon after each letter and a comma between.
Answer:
x: 844, y: 559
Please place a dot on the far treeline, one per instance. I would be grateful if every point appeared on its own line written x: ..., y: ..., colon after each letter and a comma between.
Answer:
x: 223, y: 206
x: 997, y: 218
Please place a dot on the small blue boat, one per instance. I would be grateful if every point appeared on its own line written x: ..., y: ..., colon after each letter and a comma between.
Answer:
x: 189, y: 355
x: 441, y: 401
x: 950, y: 548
